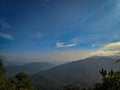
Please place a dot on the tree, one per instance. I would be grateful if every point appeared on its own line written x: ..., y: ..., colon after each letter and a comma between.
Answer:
x: 3, y: 78
x: 117, y: 61
x: 110, y: 81
x: 23, y: 82
x: 2, y: 69
x: 20, y: 82
x: 71, y: 87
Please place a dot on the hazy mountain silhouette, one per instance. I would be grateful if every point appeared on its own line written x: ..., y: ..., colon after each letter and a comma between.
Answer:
x: 30, y: 68
x: 82, y: 72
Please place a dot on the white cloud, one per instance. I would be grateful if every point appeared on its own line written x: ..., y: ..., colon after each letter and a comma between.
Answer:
x: 70, y: 45
x: 111, y: 49
x: 93, y: 45
x: 97, y: 44
x: 6, y: 36
x: 115, y: 45
x: 61, y: 44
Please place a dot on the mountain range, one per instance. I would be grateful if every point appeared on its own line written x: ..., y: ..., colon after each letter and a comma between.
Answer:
x: 83, y: 72
x: 29, y: 68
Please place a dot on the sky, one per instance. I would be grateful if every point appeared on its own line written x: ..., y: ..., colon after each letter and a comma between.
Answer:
x: 59, y: 30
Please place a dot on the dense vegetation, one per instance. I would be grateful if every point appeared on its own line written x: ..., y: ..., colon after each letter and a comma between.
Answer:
x: 20, y: 81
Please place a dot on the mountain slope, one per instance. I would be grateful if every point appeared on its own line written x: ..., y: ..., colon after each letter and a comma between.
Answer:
x: 83, y: 72
x: 30, y: 68
x: 42, y: 83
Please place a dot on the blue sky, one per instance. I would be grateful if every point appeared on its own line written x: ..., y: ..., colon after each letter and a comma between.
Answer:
x: 57, y: 30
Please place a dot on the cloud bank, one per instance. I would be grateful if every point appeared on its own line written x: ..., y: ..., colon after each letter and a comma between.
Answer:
x: 111, y: 49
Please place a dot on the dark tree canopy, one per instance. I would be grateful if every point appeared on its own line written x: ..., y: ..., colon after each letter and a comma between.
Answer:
x: 21, y: 81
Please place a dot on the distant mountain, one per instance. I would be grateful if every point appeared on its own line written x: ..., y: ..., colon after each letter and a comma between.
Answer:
x: 30, y: 68
x: 8, y: 63
x: 82, y: 72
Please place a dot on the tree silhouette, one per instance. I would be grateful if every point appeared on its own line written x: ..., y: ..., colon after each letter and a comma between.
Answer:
x: 3, y: 78
x: 21, y: 81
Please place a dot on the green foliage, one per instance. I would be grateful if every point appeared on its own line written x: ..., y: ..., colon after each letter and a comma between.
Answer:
x: 71, y: 87
x: 117, y: 61
x: 2, y: 69
x: 42, y: 83
x: 110, y: 81
x: 20, y: 82
x: 103, y: 72
x: 23, y: 82
x: 3, y: 78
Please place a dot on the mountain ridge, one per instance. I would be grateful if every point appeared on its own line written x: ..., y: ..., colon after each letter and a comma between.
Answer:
x: 30, y: 68
x: 83, y: 72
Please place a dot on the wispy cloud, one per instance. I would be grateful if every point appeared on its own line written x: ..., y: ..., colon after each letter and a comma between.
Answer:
x: 111, y: 49
x: 93, y: 45
x: 6, y: 36
x: 5, y: 25
x: 97, y: 44
x: 118, y: 3
x: 37, y: 35
x: 104, y: 21
x: 63, y: 45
